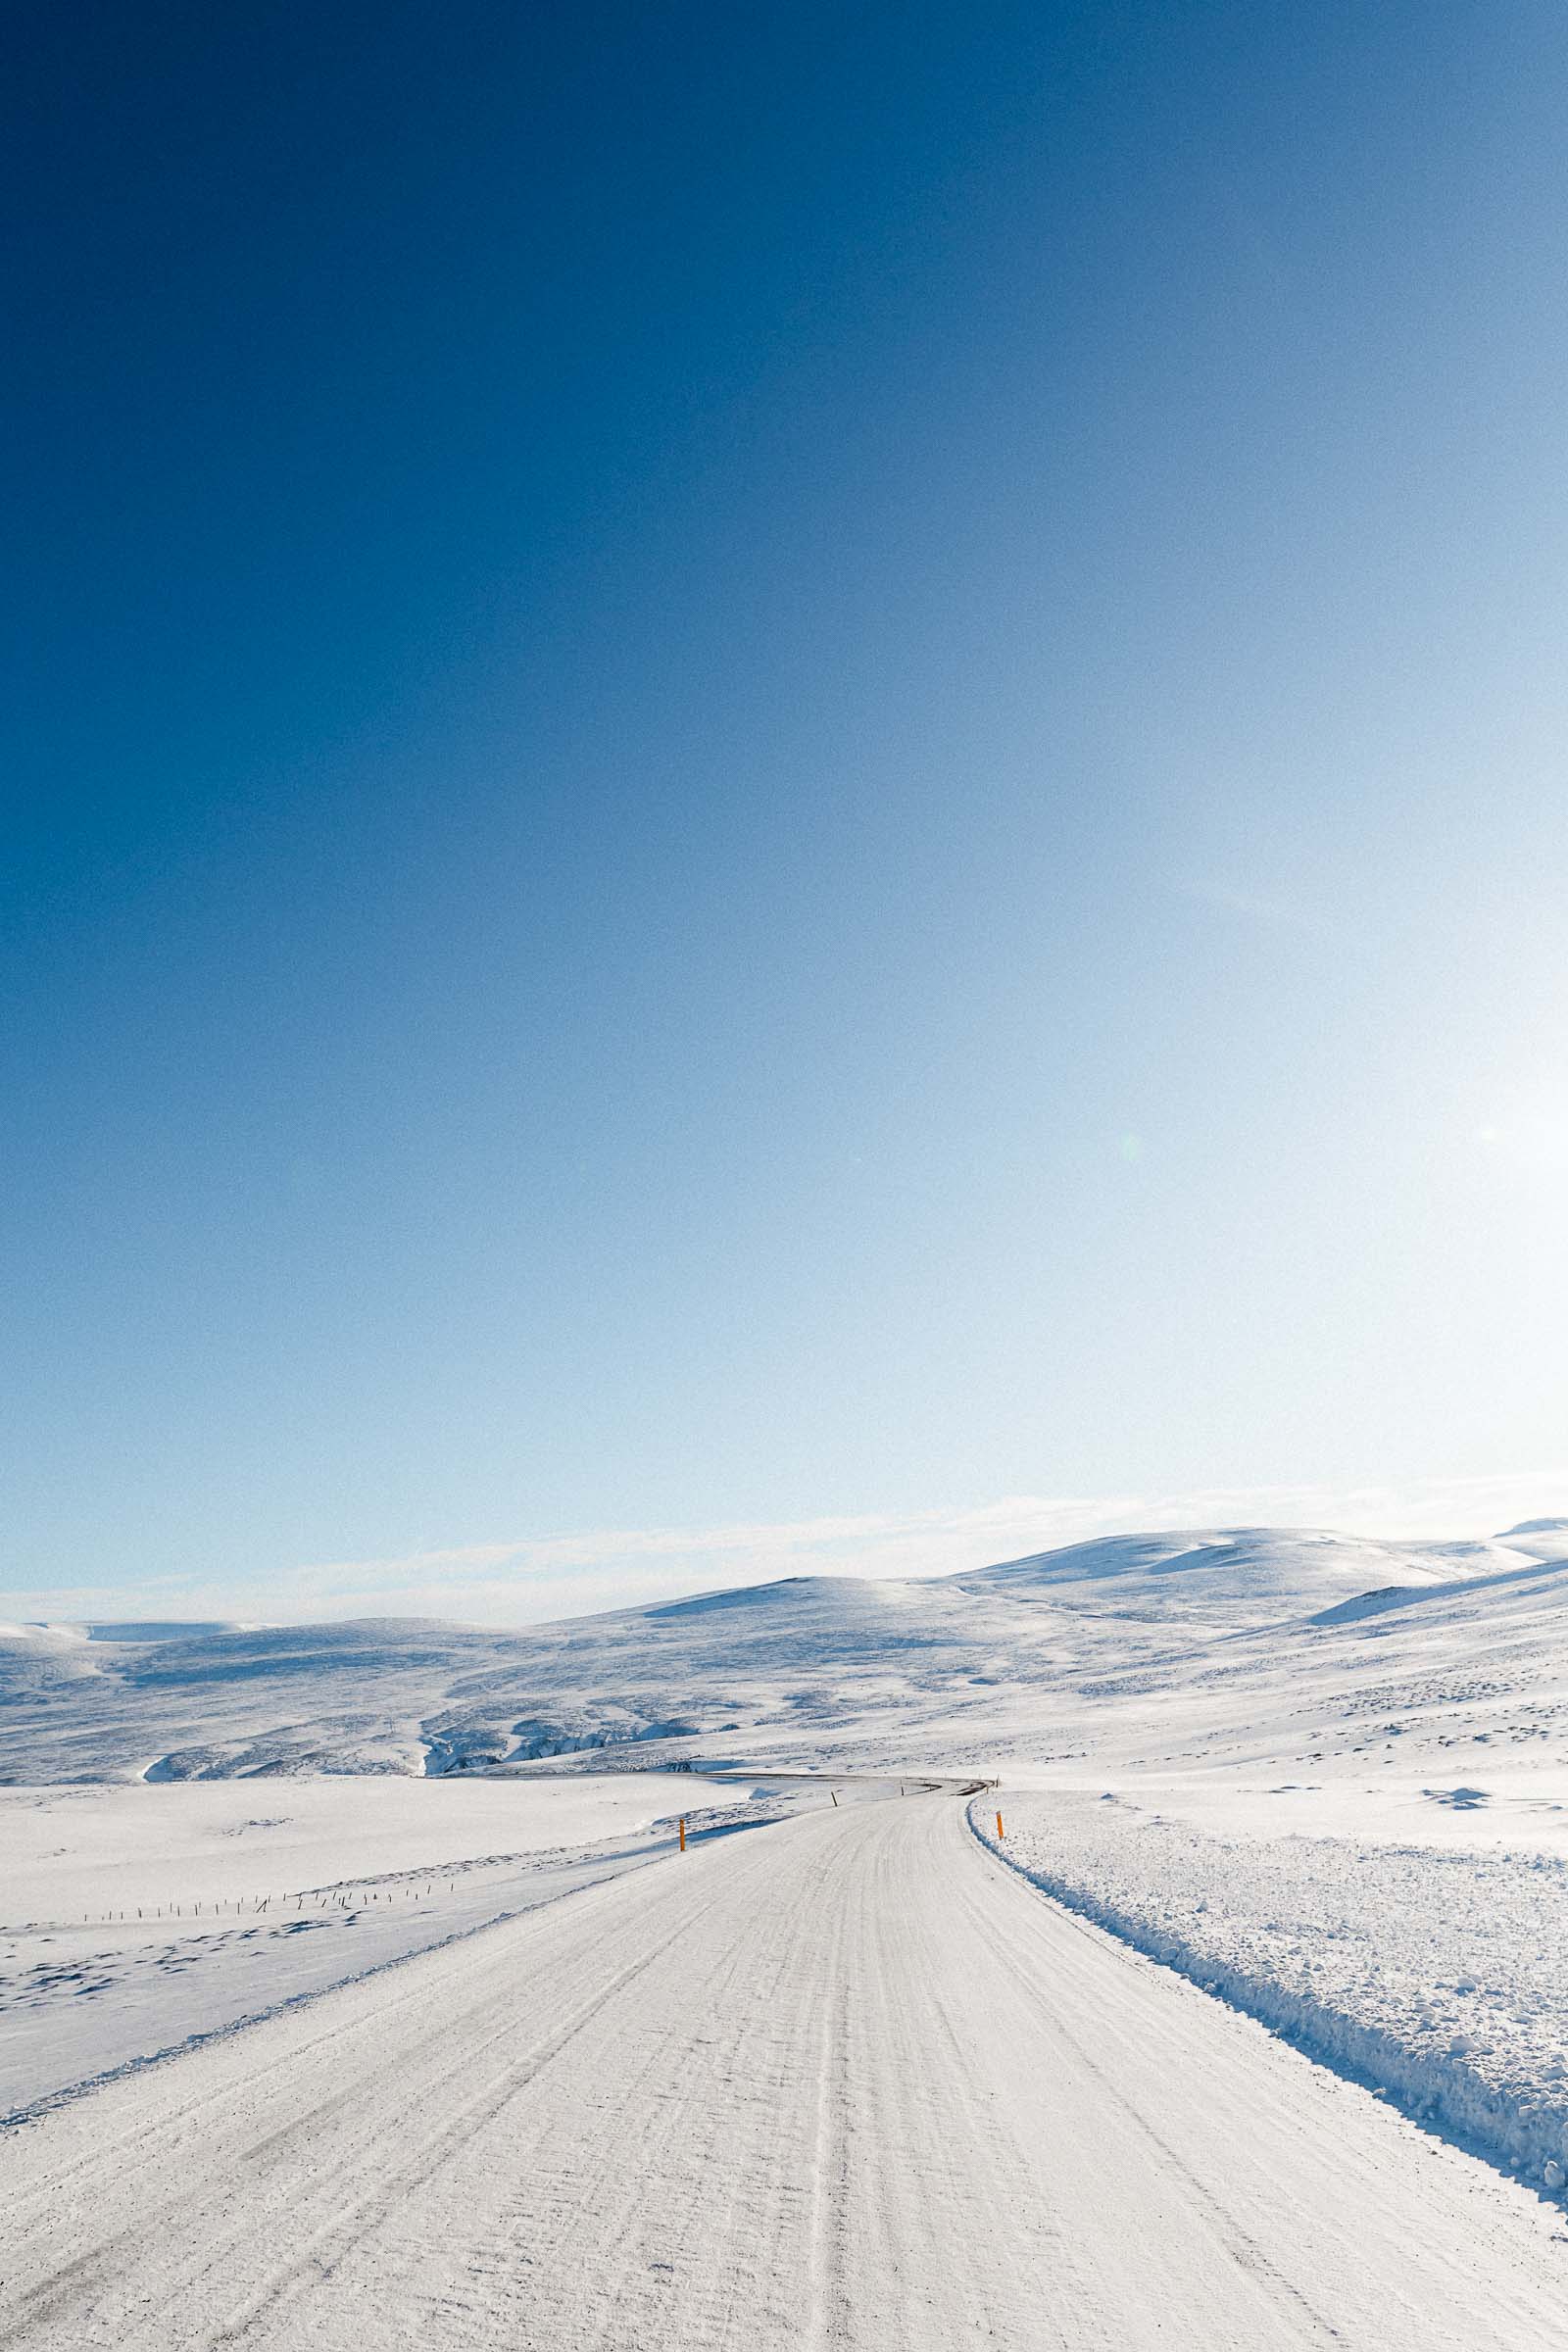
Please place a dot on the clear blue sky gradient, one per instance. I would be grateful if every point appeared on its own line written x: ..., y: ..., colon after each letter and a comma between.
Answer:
x: 770, y: 762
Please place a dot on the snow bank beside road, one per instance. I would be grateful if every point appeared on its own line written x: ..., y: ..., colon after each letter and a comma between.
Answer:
x: 1437, y: 1974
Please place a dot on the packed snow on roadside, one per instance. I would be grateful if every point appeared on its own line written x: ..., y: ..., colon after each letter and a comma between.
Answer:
x: 1436, y: 1972
x: 134, y: 1919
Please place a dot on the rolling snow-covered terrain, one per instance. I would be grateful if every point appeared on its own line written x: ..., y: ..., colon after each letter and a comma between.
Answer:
x: 1209, y: 1650
x: 1323, y: 1778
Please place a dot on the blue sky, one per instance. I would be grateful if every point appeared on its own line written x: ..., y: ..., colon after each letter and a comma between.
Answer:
x: 776, y: 769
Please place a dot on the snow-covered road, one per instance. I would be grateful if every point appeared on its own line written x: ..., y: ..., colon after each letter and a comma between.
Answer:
x: 843, y: 2082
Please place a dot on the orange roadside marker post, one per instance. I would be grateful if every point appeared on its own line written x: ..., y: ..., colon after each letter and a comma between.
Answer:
x: 1000, y: 1832
x: 683, y: 1832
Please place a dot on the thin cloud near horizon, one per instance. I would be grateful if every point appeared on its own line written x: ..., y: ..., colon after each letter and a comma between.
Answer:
x: 535, y: 1579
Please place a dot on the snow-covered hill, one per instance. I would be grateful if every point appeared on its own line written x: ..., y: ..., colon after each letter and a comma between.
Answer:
x: 1176, y: 1651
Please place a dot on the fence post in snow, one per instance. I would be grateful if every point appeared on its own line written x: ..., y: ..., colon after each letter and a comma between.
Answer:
x: 1001, y: 1832
x: 683, y: 1832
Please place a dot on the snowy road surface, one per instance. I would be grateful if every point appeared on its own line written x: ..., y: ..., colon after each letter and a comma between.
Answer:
x: 844, y: 2082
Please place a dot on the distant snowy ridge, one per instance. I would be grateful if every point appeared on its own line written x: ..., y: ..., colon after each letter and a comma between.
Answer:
x: 1543, y: 1539
x: 953, y: 1670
